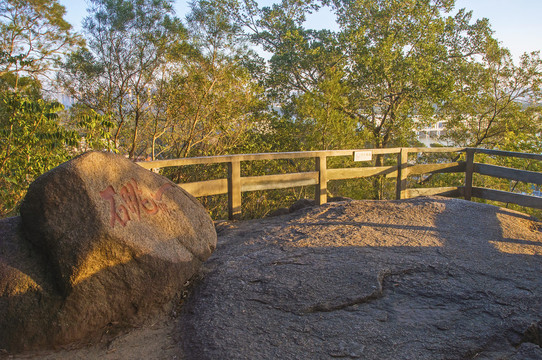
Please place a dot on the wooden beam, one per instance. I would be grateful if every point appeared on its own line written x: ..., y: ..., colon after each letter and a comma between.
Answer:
x: 234, y: 189
x: 320, y: 193
x: 253, y: 157
x: 509, y: 173
x: 280, y: 181
x: 402, y: 174
x: 361, y: 172
x: 436, y: 150
x: 507, y: 197
x: 452, y: 191
x: 206, y: 188
x: 186, y: 161
x: 469, y: 169
x: 509, y: 154
x: 219, y: 159
x: 453, y: 167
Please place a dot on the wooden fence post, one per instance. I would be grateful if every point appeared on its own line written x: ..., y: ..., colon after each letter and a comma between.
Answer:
x: 402, y: 174
x: 320, y: 194
x: 469, y: 170
x: 234, y: 189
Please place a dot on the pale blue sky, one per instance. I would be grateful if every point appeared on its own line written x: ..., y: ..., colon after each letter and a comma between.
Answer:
x: 517, y: 23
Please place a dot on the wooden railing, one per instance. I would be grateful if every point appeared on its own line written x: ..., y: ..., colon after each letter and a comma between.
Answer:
x: 235, y: 184
x: 503, y: 173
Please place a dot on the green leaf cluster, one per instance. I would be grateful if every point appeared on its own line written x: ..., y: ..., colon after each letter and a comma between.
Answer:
x: 32, y: 142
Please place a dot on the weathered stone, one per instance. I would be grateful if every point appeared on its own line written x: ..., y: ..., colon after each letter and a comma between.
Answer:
x: 118, y: 241
x: 427, y: 278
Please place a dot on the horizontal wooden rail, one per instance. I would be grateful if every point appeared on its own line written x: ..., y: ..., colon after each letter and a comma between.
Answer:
x: 280, y: 181
x: 507, y: 197
x: 235, y: 184
x: 220, y: 159
x: 453, y: 167
x: 206, y: 188
x: 360, y: 172
x: 419, y: 169
x: 450, y: 191
x: 510, y: 154
x: 508, y: 173
x: 435, y: 150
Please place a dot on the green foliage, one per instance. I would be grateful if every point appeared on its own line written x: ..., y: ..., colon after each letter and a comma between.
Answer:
x: 32, y: 142
x: 370, y: 84
x: 210, y: 108
x: 94, y: 129
x: 320, y: 111
x: 208, y: 104
x: 402, y: 56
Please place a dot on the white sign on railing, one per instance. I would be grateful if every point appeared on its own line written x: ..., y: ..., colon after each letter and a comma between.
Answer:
x: 363, y: 155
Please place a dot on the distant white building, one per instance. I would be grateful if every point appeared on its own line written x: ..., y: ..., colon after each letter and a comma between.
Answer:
x: 433, y: 134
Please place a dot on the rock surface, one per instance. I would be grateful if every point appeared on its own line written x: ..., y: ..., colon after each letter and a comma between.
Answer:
x: 101, y: 243
x: 427, y: 278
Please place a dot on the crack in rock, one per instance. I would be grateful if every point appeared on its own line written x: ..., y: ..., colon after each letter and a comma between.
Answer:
x: 378, y: 293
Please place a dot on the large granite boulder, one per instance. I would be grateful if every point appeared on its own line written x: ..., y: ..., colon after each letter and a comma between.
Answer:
x: 101, y: 242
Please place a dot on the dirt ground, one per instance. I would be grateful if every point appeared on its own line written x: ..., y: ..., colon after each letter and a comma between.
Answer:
x: 153, y: 340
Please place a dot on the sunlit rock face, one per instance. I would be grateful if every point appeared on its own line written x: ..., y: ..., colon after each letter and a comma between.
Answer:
x: 107, y: 242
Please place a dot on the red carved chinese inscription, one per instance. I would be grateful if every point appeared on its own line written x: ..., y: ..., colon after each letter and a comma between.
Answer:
x: 132, y: 202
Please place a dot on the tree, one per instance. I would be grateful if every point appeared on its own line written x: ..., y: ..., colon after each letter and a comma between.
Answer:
x: 402, y: 57
x: 212, y: 98
x: 129, y: 42
x: 209, y: 102
x: 305, y: 74
x: 210, y: 109
x: 497, y: 105
x: 33, y: 38
x: 306, y: 77
x: 393, y: 61
x: 495, y: 100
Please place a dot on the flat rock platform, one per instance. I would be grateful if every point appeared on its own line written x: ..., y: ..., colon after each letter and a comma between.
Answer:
x: 426, y: 278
